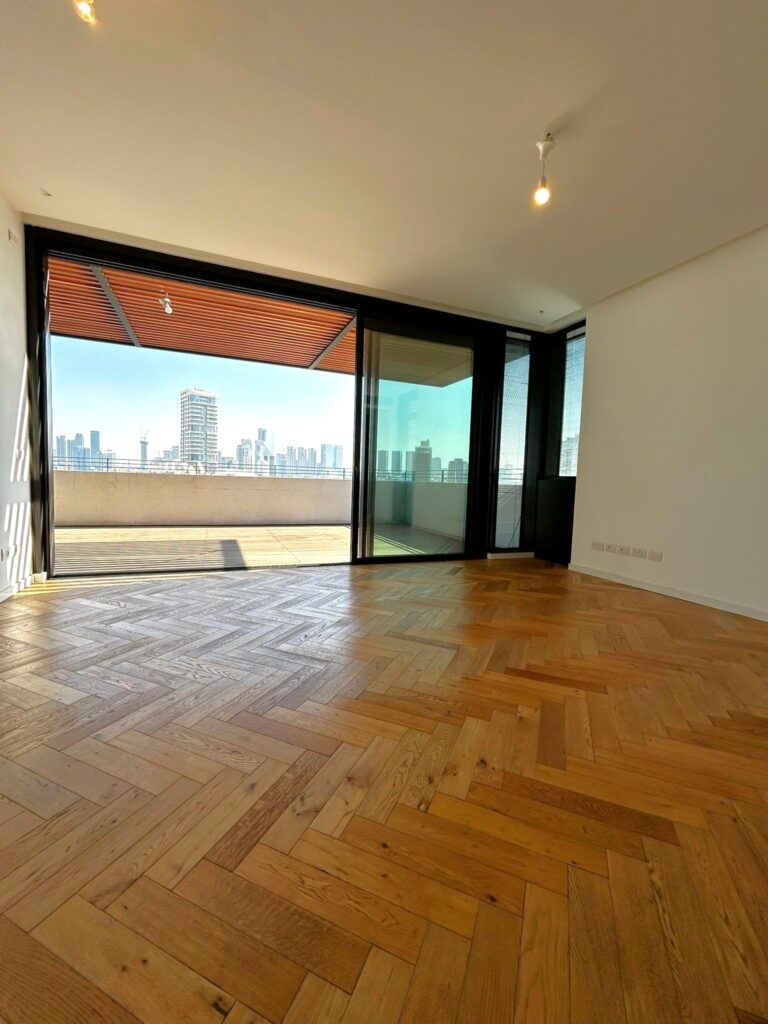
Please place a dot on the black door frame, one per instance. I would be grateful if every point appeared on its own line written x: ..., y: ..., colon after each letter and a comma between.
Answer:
x: 488, y: 338
x: 474, y: 542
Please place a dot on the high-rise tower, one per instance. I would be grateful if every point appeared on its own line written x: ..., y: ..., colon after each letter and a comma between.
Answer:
x: 422, y: 461
x: 199, y: 426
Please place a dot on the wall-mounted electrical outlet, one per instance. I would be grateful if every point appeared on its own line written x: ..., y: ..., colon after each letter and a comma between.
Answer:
x: 654, y: 556
x: 597, y: 545
x: 13, y: 238
x: 639, y: 553
x: 611, y: 548
x: 623, y: 549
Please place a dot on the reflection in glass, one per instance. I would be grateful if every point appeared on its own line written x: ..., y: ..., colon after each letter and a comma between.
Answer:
x: 574, y: 380
x: 514, y: 419
x: 420, y: 396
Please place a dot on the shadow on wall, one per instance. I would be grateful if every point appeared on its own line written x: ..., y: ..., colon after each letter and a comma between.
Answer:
x: 17, y: 541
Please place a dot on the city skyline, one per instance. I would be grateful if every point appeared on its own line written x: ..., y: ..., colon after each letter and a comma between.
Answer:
x: 135, y: 392
x: 251, y: 454
x: 255, y: 455
x: 139, y: 405
x: 131, y: 392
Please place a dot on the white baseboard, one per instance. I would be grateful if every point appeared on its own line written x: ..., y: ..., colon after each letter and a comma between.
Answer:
x: 509, y: 554
x: 682, y: 595
x: 14, y: 588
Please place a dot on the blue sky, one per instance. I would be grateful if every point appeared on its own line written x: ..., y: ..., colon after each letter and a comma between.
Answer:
x: 123, y: 390
x: 412, y: 413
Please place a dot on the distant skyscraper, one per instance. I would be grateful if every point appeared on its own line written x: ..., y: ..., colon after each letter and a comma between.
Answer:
x: 569, y: 452
x: 262, y: 448
x: 331, y: 456
x: 422, y: 461
x: 76, y: 452
x: 144, y: 445
x: 312, y: 458
x: 244, y: 454
x: 396, y: 462
x: 61, y: 446
x: 95, y: 444
x: 457, y: 471
x: 199, y: 426
x: 382, y: 463
x: 436, y: 467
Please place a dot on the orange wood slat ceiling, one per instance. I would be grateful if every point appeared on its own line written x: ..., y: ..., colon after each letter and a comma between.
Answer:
x: 341, y: 357
x: 205, y: 320
x: 78, y: 305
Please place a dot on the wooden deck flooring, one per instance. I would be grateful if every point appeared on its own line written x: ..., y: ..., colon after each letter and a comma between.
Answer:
x: 100, y: 550
x: 84, y: 551
x: 454, y: 793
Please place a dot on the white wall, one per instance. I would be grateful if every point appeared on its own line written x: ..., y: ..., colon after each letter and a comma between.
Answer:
x: 15, y: 545
x: 674, y: 438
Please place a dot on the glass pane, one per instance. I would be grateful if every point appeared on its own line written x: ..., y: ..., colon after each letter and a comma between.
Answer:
x: 420, y: 397
x: 514, y: 418
x: 574, y: 379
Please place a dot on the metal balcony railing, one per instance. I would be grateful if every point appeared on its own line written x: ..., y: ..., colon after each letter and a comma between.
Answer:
x: 111, y: 464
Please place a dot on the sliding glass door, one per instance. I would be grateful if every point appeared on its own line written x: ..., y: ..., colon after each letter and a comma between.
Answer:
x: 415, y: 445
x: 512, y: 446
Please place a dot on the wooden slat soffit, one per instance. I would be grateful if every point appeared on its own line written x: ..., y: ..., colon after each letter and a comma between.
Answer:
x: 205, y: 320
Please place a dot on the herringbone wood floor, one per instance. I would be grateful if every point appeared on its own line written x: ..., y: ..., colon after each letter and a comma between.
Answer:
x: 460, y: 792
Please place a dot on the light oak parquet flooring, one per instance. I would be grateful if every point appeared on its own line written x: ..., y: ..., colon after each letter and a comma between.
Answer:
x: 455, y: 793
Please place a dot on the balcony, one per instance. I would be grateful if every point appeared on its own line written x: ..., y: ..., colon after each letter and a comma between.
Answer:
x: 142, y: 518
x: 133, y: 516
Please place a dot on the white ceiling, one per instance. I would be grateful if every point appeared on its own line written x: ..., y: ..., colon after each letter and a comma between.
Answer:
x: 390, y: 145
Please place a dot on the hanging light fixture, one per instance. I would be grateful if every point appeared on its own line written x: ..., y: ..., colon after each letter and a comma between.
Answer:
x: 543, y: 192
x: 86, y: 9
x: 165, y: 302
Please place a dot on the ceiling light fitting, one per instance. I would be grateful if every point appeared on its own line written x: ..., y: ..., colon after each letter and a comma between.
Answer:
x: 86, y: 9
x: 165, y: 302
x: 543, y: 192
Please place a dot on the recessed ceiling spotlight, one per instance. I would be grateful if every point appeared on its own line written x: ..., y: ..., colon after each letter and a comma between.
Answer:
x: 543, y: 192
x: 165, y: 302
x: 86, y: 9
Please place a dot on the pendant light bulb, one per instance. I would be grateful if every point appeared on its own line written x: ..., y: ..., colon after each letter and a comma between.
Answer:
x: 86, y: 9
x: 543, y: 193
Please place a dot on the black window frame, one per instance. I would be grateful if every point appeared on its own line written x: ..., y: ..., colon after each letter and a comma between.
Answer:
x: 489, y: 341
